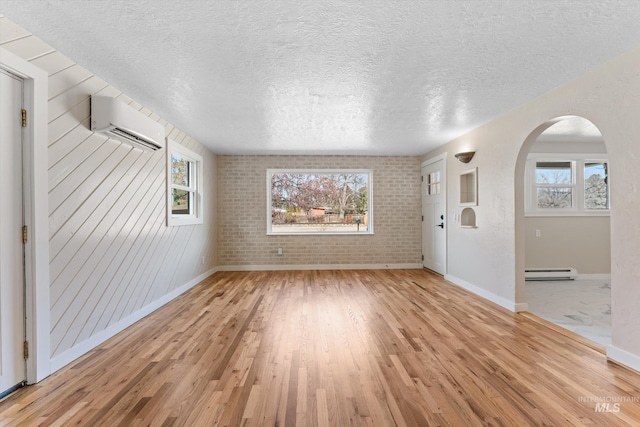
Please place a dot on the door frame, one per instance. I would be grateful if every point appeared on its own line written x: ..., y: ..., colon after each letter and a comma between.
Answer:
x: 36, y: 211
x: 427, y: 162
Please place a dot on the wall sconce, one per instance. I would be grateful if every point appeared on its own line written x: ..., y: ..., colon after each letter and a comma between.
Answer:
x: 465, y: 157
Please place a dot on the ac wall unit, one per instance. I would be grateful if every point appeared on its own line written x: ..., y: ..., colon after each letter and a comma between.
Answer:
x: 565, y: 273
x: 125, y: 123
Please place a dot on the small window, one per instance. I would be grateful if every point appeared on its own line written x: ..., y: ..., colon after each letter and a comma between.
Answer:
x: 184, y: 185
x: 433, y: 183
x: 596, y: 187
x: 554, y: 184
x: 319, y: 202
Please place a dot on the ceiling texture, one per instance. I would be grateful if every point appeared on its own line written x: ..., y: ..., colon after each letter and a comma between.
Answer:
x: 379, y: 77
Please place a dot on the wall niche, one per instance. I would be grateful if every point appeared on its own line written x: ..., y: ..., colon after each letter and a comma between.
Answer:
x: 468, y: 218
x: 469, y: 188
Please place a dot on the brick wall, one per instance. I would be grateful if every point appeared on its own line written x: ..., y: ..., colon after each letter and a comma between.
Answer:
x: 242, y: 214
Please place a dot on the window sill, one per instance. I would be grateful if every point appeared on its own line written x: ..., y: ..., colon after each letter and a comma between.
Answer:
x: 321, y: 233
x: 178, y: 221
x: 568, y: 214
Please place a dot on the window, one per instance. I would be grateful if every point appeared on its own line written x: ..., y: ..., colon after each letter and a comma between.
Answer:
x: 319, y: 202
x: 184, y: 185
x: 554, y: 184
x: 567, y: 184
x: 433, y: 183
x: 596, y: 187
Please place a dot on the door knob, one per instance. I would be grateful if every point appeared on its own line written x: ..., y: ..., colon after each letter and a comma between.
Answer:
x: 441, y: 225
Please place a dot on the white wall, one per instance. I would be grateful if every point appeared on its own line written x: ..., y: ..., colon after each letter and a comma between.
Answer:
x: 491, y: 257
x: 112, y: 258
x: 582, y: 242
x: 590, y: 147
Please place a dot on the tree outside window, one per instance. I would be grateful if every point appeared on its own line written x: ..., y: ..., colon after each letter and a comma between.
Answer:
x: 554, y: 181
x: 184, y: 185
x: 567, y: 184
x: 596, y: 188
x: 319, y: 202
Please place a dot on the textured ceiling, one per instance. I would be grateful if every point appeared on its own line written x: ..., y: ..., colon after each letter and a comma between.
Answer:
x: 394, y: 77
x: 572, y: 128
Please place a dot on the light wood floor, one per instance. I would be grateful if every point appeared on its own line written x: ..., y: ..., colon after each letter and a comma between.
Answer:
x: 375, y: 348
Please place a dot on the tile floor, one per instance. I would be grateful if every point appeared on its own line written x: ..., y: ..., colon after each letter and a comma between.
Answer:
x: 581, y: 306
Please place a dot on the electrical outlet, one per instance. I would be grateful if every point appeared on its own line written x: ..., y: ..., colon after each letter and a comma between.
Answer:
x: 202, y: 260
x: 279, y: 251
x: 538, y: 233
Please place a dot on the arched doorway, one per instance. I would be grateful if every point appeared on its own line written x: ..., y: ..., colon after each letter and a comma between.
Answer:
x: 563, y: 229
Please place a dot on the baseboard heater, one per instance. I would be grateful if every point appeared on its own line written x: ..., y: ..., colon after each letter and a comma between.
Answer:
x: 568, y: 273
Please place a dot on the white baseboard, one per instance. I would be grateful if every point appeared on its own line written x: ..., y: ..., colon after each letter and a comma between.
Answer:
x: 503, y: 302
x: 593, y: 277
x: 623, y: 357
x: 292, y: 267
x: 92, y: 342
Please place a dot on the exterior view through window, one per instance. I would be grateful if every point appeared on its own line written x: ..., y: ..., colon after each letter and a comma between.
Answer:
x: 555, y: 184
x: 596, y: 188
x: 567, y: 184
x: 319, y: 202
x: 182, y: 188
x: 184, y: 185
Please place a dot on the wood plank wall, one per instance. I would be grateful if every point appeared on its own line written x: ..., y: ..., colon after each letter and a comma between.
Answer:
x: 111, y: 253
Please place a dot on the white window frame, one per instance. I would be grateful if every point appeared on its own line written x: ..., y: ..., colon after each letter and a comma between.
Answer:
x: 577, y: 161
x: 196, y: 172
x: 368, y: 172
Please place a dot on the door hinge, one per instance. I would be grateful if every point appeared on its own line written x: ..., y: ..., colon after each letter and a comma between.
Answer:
x: 422, y: 218
x: 423, y: 257
x: 24, y: 234
x: 421, y: 178
x: 24, y: 118
x: 26, y: 349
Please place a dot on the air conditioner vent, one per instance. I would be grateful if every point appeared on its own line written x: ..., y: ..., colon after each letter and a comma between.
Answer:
x: 146, y: 143
x: 125, y: 123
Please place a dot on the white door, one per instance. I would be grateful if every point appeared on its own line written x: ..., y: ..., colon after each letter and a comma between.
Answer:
x: 434, y: 216
x: 12, y: 363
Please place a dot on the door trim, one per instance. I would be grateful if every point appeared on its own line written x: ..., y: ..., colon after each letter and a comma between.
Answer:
x: 36, y: 211
x: 427, y: 162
